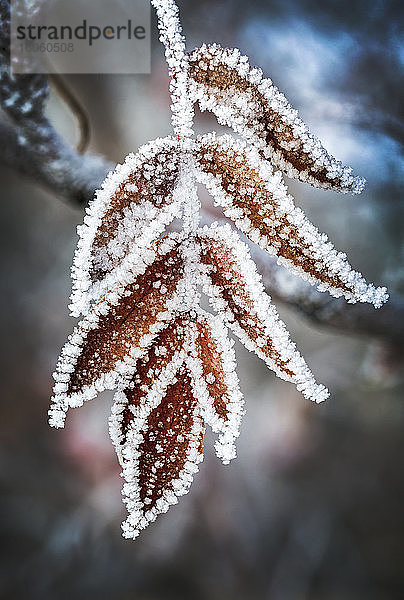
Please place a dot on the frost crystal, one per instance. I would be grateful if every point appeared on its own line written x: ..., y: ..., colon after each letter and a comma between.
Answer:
x: 143, y: 331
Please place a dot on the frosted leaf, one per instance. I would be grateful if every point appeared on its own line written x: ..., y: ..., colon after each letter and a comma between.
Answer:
x: 133, y: 207
x: 256, y: 199
x: 235, y: 289
x: 162, y: 450
x: 157, y: 420
x: 212, y: 364
x: 240, y: 97
x: 144, y: 331
x: 118, y: 329
x: 167, y: 346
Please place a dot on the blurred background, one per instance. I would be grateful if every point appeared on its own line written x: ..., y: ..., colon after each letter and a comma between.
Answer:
x: 312, y: 509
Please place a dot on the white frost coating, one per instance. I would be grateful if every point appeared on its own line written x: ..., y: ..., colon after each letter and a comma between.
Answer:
x: 130, y: 244
x: 138, y: 518
x: 177, y: 60
x: 274, y: 328
x: 188, y: 196
x: 238, y: 111
x: 182, y: 121
x: 321, y: 250
x: 229, y: 428
x: 189, y: 193
x: 75, y: 344
x: 152, y: 399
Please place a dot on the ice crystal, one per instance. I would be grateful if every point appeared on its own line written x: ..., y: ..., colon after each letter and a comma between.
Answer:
x: 143, y: 331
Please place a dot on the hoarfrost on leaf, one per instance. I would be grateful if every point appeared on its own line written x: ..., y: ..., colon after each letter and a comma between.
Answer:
x: 138, y: 289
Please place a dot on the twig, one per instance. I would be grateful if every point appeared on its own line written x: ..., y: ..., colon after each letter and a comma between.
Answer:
x: 77, y: 109
x: 385, y: 324
x: 60, y: 169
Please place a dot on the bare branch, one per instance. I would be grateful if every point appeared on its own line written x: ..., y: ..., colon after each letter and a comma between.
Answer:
x: 66, y: 173
x: 30, y: 143
x: 385, y: 324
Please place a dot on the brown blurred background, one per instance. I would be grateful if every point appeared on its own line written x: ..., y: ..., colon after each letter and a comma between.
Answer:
x: 312, y: 509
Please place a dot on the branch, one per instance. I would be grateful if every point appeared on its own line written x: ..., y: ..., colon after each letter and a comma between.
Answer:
x: 30, y: 143
x: 56, y: 166
x: 385, y: 324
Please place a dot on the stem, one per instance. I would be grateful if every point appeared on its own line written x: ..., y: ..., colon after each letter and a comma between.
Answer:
x: 182, y: 109
x: 182, y: 106
x: 174, y: 43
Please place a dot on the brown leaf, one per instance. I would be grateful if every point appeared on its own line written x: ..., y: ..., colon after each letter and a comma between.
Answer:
x: 225, y: 275
x: 170, y: 341
x: 241, y: 98
x: 131, y: 210
x: 107, y: 342
x: 163, y: 450
x: 235, y: 289
x: 215, y: 382
x: 212, y: 367
x: 259, y: 204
